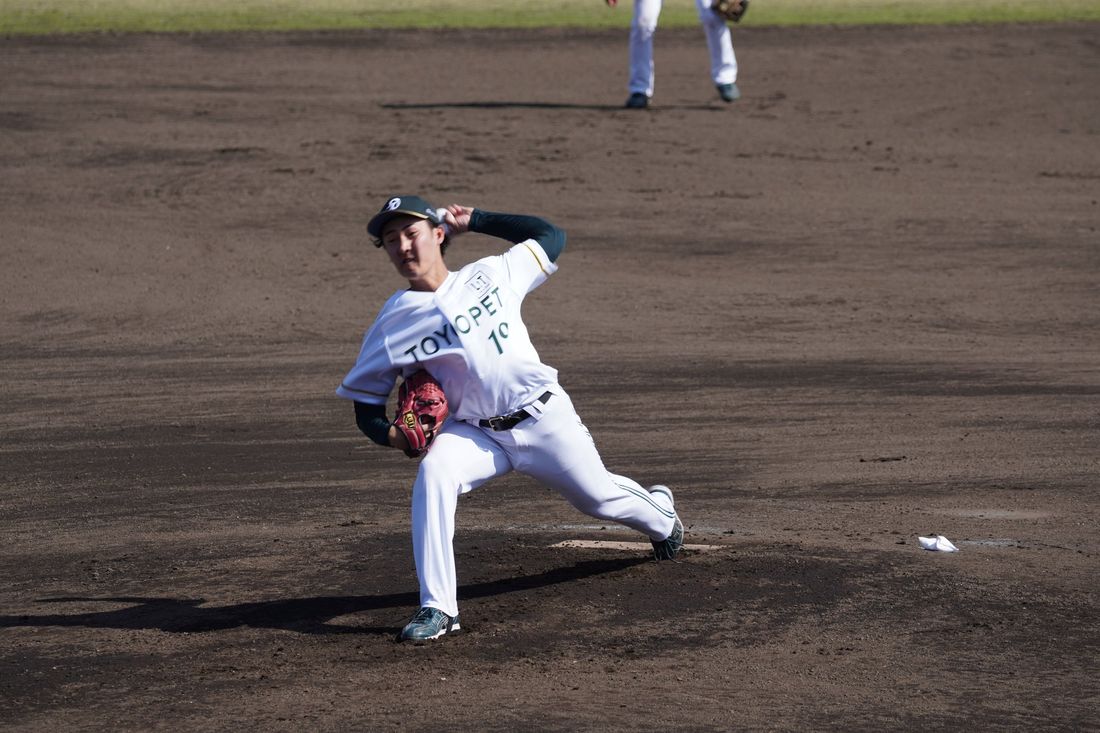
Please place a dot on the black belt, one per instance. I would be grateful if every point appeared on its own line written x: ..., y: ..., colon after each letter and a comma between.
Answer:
x: 507, y: 422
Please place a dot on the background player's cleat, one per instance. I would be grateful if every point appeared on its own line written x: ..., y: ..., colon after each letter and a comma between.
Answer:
x: 667, y: 548
x: 729, y: 92
x: 637, y: 100
x: 429, y: 623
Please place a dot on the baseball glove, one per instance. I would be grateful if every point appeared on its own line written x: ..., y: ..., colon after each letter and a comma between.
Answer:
x: 732, y: 10
x: 421, y: 410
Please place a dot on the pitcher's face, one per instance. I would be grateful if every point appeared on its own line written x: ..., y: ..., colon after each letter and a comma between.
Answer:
x: 414, y: 246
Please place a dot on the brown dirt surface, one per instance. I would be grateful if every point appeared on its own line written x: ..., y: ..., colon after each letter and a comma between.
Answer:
x: 858, y: 306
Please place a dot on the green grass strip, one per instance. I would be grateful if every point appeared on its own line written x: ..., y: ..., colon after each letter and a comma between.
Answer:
x: 32, y: 17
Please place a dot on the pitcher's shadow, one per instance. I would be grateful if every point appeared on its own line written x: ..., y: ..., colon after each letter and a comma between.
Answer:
x: 304, y: 615
x: 541, y: 105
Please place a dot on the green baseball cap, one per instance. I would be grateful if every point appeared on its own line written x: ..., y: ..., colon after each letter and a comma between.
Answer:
x: 402, y: 206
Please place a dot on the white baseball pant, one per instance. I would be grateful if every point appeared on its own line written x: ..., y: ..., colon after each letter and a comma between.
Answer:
x: 554, y: 447
x: 723, y: 62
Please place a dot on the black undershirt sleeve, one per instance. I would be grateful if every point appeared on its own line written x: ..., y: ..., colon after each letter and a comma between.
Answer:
x: 517, y: 228
x: 372, y: 420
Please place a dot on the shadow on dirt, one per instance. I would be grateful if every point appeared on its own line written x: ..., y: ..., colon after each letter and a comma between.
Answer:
x: 304, y: 615
x: 537, y: 105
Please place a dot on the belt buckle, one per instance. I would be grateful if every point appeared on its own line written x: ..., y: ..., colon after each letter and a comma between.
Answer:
x: 498, y: 423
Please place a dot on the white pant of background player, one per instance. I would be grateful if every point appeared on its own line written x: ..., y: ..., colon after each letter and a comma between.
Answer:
x: 723, y: 62
x: 552, y: 446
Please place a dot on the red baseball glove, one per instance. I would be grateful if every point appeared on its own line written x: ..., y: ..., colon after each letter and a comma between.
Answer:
x: 421, y: 410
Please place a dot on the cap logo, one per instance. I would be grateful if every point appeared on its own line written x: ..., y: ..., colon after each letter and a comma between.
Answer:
x: 391, y: 204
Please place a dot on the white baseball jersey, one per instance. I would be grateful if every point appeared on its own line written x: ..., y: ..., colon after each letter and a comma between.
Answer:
x: 468, y: 334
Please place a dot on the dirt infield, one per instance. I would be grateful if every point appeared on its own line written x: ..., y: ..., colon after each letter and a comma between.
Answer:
x: 858, y: 306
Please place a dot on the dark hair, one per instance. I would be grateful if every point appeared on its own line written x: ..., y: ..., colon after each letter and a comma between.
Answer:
x: 377, y: 241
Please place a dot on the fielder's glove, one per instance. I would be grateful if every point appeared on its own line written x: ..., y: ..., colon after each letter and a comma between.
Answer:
x: 421, y: 410
x: 732, y: 10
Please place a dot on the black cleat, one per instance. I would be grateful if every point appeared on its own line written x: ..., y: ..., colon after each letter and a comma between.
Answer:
x: 429, y: 623
x: 729, y: 92
x: 668, y: 548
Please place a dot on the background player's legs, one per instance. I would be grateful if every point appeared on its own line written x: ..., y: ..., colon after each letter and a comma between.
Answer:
x: 561, y: 454
x: 461, y: 459
x: 723, y: 62
x: 643, y: 25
